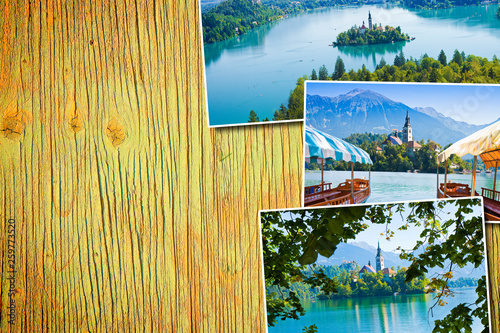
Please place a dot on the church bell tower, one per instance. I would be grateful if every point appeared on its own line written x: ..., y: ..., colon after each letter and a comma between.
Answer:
x: 370, y: 26
x: 407, y: 132
x: 379, y: 259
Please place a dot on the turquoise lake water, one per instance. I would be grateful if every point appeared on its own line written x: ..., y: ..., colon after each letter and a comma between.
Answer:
x: 404, y: 313
x: 258, y: 70
x: 400, y: 186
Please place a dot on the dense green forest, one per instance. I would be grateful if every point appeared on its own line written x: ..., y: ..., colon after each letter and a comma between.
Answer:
x: 394, y: 158
x: 460, y: 69
x: 235, y: 17
x: 356, y: 36
x: 370, y: 284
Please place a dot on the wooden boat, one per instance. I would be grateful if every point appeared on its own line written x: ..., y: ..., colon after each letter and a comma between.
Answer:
x: 353, y: 191
x: 454, y: 190
x: 325, y: 195
x: 485, y: 144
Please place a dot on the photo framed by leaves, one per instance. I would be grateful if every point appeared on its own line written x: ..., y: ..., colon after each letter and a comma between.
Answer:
x: 405, y: 266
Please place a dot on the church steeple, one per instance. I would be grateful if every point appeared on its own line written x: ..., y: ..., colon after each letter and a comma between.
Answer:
x: 370, y: 26
x: 379, y: 259
x: 407, y: 132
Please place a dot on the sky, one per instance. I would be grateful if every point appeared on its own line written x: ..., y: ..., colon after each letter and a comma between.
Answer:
x: 407, y: 238
x: 473, y: 103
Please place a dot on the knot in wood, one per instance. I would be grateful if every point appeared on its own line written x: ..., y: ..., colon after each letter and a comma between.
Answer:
x: 14, y: 123
x: 115, y: 132
x: 76, y: 122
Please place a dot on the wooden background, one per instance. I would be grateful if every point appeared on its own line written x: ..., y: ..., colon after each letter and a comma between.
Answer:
x: 130, y: 213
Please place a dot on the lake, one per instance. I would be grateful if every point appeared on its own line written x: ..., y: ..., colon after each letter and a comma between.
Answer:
x: 257, y: 71
x: 404, y: 313
x: 399, y: 186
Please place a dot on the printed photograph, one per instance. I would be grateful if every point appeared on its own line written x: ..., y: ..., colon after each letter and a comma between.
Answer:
x: 258, y: 53
x: 373, y: 142
x: 394, y: 267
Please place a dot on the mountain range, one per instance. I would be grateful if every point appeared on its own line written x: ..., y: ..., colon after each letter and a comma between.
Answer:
x: 362, y: 252
x: 361, y: 111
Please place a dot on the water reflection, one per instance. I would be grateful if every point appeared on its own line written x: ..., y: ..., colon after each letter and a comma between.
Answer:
x: 370, y: 52
x: 254, y: 40
x: 403, y: 313
x: 367, y: 50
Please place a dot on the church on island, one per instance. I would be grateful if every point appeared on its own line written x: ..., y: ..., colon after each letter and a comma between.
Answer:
x: 363, y: 28
x: 379, y: 266
x: 373, y: 34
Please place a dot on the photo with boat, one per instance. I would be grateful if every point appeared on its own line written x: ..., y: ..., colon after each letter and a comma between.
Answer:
x: 394, y: 267
x: 402, y: 128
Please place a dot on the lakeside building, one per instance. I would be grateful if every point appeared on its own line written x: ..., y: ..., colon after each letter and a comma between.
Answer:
x: 388, y: 273
x: 407, y: 138
x: 379, y: 266
x: 364, y: 28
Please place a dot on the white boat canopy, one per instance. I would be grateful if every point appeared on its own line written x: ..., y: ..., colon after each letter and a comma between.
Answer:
x: 484, y: 143
x: 322, y: 145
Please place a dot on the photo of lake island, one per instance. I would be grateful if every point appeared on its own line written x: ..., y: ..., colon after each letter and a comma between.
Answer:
x: 373, y: 142
x: 258, y: 53
x: 398, y: 267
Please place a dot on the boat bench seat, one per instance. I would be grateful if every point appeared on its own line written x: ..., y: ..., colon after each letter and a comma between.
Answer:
x: 492, y: 205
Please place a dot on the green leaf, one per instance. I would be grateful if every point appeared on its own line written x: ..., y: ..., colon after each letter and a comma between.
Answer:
x: 309, y: 256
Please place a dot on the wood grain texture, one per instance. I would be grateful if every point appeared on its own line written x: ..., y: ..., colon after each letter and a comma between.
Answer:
x: 130, y: 213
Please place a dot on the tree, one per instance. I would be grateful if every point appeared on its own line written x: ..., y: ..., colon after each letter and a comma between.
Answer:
x: 314, y: 76
x: 399, y: 60
x: 381, y: 64
x: 296, y: 100
x: 323, y: 73
x: 433, y: 77
x: 339, y: 69
x: 293, y: 240
x: 281, y: 113
x: 402, y: 57
x: 457, y: 58
x: 442, y: 58
x: 253, y: 117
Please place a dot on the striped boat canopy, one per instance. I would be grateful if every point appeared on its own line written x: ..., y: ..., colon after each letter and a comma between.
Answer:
x: 322, y: 145
x: 484, y: 143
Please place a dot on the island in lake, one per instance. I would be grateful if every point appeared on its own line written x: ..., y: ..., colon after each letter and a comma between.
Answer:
x: 373, y: 34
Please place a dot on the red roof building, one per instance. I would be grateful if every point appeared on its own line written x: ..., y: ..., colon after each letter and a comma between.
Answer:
x: 392, y: 139
x: 388, y: 271
x: 366, y: 269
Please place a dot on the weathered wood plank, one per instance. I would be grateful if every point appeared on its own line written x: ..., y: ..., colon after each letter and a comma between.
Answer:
x: 492, y: 232
x: 130, y: 213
